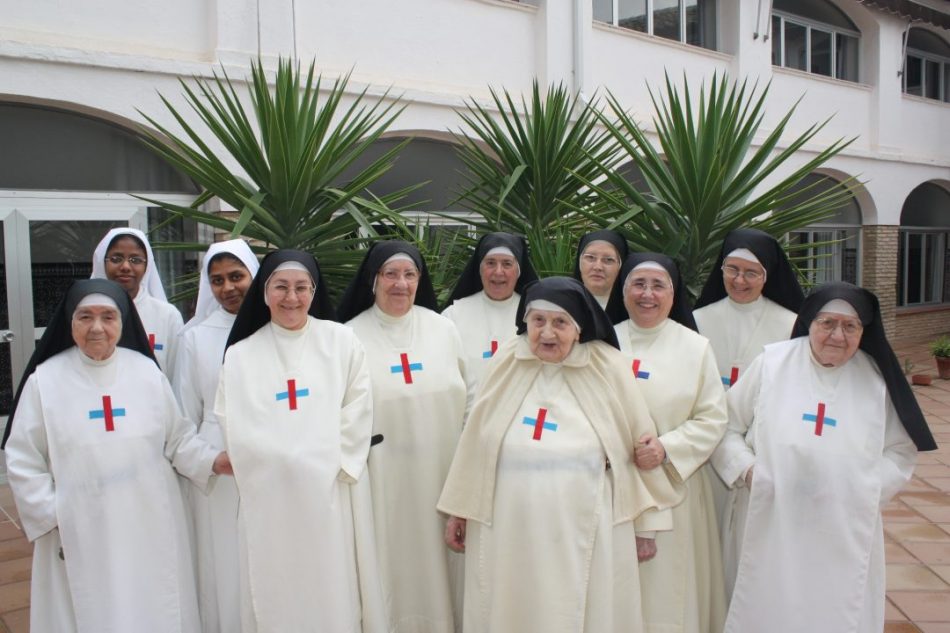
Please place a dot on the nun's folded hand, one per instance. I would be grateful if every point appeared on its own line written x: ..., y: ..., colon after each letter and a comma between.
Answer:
x: 222, y: 465
x: 649, y: 452
x: 646, y: 549
x: 455, y: 534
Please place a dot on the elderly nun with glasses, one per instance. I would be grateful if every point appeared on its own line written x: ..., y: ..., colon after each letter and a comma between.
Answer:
x: 823, y: 431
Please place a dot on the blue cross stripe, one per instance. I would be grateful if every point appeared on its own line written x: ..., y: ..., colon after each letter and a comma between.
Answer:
x: 487, y: 354
x: 159, y: 347
x: 548, y: 426
x: 397, y: 369
x: 100, y: 414
x: 283, y: 395
x: 725, y: 380
x: 808, y: 417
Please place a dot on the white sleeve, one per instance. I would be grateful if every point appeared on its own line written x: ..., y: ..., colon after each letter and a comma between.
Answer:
x: 899, y: 457
x: 734, y: 455
x: 28, y: 467
x: 356, y: 416
x: 186, y: 383
x: 190, y: 454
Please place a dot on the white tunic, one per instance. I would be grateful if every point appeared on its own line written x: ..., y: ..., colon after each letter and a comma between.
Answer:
x: 162, y: 322
x: 88, y: 461
x: 214, y: 513
x: 419, y: 398
x: 676, y: 372
x: 484, y: 325
x: 296, y: 411
x: 829, y: 451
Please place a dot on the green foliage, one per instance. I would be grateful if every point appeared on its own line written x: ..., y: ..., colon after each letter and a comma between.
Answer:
x: 705, y: 179
x: 529, y: 165
x: 294, y: 147
x: 940, y: 347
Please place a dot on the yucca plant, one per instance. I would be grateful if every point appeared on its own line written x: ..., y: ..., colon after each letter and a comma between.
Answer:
x: 295, y: 147
x: 528, y: 169
x: 705, y: 178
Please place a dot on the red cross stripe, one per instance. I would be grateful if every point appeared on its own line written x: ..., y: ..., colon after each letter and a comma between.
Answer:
x: 107, y: 413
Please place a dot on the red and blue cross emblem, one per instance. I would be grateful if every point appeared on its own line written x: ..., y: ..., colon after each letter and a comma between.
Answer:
x: 540, y: 424
x: 644, y: 375
x: 156, y: 347
x: 820, y: 419
x: 107, y: 413
x: 491, y: 351
x: 292, y: 394
x: 731, y: 379
x: 406, y: 368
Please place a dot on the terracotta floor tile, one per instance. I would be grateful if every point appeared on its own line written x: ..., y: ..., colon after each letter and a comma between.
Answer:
x: 934, y: 627
x: 926, y: 471
x: 17, y: 548
x: 936, y: 514
x: 905, y: 532
x: 913, y: 578
x: 902, y: 514
x: 892, y: 613
x: 15, y: 570
x: 900, y: 627
x: 15, y: 596
x: 8, y: 531
x: 18, y: 621
x: 926, y: 459
x: 943, y: 571
x: 918, y: 485
x: 930, y: 553
x: 941, y: 483
x: 923, y: 606
x: 894, y: 553
x: 932, y: 498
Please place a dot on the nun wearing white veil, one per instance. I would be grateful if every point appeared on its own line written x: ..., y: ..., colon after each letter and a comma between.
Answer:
x: 226, y: 274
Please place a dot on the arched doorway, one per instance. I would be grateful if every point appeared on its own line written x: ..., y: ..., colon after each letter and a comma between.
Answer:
x: 65, y: 179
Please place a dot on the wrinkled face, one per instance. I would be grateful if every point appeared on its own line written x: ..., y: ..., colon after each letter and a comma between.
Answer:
x: 499, y: 275
x: 229, y: 280
x: 648, y: 296
x: 289, y: 294
x: 551, y: 334
x: 396, y: 284
x: 96, y: 330
x: 834, y: 338
x: 744, y: 280
x: 126, y: 262
x: 599, y: 265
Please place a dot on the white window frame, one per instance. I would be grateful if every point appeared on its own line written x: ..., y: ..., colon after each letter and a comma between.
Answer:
x: 809, y: 254
x: 649, y: 9
x: 943, y: 237
x: 943, y: 62
x: 835, y: 31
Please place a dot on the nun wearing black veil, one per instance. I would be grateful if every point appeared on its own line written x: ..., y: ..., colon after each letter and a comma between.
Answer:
x: 485, y: 299
x: 599, y: 257
x: 295, y: 408
x: 420, y: 396
x: 543, y: 495
x: 93, y: 439
x: 823, y: 431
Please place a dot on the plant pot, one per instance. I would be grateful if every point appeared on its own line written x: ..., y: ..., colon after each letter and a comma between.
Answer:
x: 943, y: 366
x: 921, y: 379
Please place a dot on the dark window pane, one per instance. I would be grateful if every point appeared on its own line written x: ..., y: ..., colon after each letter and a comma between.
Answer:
x: 776, y: 40
x: 846, y: 57
x: 931, y: 79
x: 913, y: 76
x: 914, y: 272
x: 604, y: 11
x: 946, y: 82
x: 701, y: 23
x: 666, y: 19
x: 930, y: 272
x: 795, y: 51
x: 821, y: 52
x: 632, y: 14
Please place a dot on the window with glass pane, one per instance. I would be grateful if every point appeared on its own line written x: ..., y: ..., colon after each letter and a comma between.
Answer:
x: 700, y: 20
x: 604, y: 11
x: 821, y: 52
x: 632, y: 14
x: 776, y: 40
x: 666, y: 19
x: 931, y: 79
x: 846, y: 57
x: 914, y: 76
x: 795, y: 46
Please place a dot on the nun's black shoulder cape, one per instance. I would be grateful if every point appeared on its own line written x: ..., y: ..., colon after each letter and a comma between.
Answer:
x: 681, y: 312
x: 470, y: 280
x: 359, y: 294
x: 58, y: 336
x: 577, y: 300
x: 874, y: 343
x: 781, y: 282
x: 254, y: 313
x: 614, y: 308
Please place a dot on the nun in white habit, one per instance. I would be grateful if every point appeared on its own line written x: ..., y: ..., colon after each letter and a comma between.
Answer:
x: 823, y: 431
x: 226, y: 274
x: 95, y: 434
x: 125, y: 256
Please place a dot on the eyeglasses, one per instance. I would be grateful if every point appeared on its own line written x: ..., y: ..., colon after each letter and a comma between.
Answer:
x: 392, y: 274
x: 283, y: 290
x: 606, y: 261
x: 640, y: 286
x: 134, y: 260
x: 849, y: 327
x: 749, y: 275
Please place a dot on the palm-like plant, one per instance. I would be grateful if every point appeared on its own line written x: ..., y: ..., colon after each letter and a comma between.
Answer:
x: 706, y: 178
x: 528, y: 169
x: 295, y: 148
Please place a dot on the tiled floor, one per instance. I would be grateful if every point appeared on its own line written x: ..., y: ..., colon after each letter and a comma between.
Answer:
x: 916, y: 526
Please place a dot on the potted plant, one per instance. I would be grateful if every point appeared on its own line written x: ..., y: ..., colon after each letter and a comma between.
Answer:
x: 940, y: 349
